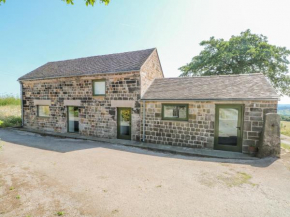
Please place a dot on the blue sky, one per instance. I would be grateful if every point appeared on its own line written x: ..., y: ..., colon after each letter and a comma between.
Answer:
x: 35, y: 32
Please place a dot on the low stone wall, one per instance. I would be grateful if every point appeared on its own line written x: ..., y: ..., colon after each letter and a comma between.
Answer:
x: 198, y: 131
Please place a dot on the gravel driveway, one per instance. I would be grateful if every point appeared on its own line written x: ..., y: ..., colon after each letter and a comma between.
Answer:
x: 43, y: 176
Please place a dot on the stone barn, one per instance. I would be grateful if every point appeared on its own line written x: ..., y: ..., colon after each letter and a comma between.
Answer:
x: 126, y: 96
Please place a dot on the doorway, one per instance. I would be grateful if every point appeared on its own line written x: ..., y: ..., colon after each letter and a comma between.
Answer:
x: 124, y: 123
x: 228, y: 128
x: 72, y: 119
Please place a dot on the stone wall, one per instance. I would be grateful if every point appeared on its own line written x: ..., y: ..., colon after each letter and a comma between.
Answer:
x: 198, y: 131
x: 97, y: 116
x: 150, y: 70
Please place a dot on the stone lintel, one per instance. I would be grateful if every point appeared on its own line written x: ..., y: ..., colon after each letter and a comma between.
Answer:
x: 42, y: 102
x: 123, y: 103
x: 72, y: 103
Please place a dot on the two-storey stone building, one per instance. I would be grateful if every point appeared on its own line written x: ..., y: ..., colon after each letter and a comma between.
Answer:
x: 104, y: 96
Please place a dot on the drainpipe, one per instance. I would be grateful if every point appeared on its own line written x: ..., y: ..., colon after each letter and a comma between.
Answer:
x: 144, y: 110
x: 21, y: 98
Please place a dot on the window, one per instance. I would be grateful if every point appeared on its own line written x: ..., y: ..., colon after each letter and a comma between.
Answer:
x: 177, y: 112
x: 43, y: 111
x: 99, y: 88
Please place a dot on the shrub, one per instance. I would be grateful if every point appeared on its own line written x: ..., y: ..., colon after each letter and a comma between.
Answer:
x: 11, y: 121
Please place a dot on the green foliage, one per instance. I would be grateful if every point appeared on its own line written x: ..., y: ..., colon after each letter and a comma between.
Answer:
x: 126, y: 115
x: 9, y: 99
x: 285, y: 117
x: 10, y: 111
x: 285, y: 146
x: 242, y: 54
x: 60, y: 213
x: 10, y: 121
x: 285, y: 128
x: 88, y: 2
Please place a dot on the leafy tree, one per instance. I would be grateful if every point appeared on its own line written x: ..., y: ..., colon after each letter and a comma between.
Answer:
x: 88, y: 2
x: 242, y: 54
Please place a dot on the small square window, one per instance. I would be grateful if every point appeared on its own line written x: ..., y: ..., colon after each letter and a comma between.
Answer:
x: 175, y: 112
x: 43, y: 111
x: 99, y: 88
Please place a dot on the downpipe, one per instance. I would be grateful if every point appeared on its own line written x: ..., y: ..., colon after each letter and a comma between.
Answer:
x: 144, y: 115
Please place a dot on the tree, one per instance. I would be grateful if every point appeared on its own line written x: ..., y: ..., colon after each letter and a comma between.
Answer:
x: 242, y: 54
x: 88, y: 2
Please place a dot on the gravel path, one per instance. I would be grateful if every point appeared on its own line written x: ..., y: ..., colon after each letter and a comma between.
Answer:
x: 40, y: 176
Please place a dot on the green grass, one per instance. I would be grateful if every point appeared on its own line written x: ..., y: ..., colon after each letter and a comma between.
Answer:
x: 285, y: 128
x: 287, y: 147
x: 60, y: 213
x: 9, y: 100
x: 10, y: 115
x: 238, y: 179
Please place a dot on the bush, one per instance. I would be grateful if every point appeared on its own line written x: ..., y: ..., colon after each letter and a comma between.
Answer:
x: 11, y: 121
x: 9, y: 99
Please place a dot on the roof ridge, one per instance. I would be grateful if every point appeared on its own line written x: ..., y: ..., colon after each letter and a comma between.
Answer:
x: 101, y: 55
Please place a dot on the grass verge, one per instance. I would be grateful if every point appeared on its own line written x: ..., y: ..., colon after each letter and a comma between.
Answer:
x: 10, y: 116
x: 287, y: 147
x: 285, y: 128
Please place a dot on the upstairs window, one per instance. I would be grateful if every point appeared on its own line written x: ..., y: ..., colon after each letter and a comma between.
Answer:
x: 99, y: 88
x: 43, y: 111
x: 178, y: 112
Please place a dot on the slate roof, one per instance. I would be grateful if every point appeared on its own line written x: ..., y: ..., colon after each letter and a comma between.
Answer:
x: 250, y: 86
x: 111, y: 63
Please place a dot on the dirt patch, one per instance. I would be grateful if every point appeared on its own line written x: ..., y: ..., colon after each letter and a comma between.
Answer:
x: 24, y: 191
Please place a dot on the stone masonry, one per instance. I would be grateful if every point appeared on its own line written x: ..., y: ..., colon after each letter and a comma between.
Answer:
x: 149, y: 71
x: 198, y: 131
x: 97, y: 116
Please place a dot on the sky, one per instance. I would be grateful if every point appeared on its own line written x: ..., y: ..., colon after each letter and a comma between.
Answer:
x: 35, y: 32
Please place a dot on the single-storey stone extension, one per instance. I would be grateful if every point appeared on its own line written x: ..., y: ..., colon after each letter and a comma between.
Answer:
x: 126, y: 96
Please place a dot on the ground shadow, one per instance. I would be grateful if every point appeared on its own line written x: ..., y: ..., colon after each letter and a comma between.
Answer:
x: 63, y: 145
